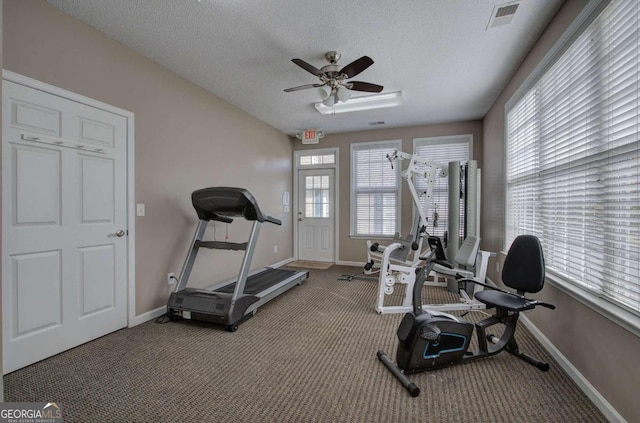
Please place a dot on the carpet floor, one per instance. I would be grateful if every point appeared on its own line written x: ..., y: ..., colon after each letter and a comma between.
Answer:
x: 307, y: 356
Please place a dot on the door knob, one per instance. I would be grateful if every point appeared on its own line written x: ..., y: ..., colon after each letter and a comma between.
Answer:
x: 299, y: 219
x: 119, y: 234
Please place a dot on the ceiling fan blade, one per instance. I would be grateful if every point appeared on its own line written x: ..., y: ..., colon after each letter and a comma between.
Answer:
x: 309, y: 68
x: 364, y: 86
x: 303, y: 87
x: 354, y: 68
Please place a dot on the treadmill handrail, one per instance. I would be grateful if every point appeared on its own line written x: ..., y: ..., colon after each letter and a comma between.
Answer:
x: 271, y: 219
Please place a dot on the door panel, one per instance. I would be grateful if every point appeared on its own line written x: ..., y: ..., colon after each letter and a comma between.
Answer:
x: 316, y: 214
x: 97, y: 279
x: 35, y: 118
x: 37, y: 286
x: 37, y: 200
x: 97, y: 179
x: 95, y: 132
x: 64, y: 273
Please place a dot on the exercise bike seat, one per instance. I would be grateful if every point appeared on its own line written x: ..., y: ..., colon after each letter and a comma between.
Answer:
x: 505, y: 300
x: 524, y: 271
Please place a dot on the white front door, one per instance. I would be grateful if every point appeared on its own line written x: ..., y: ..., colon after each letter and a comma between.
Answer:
x: 64, y: 224
x: 316, y: 215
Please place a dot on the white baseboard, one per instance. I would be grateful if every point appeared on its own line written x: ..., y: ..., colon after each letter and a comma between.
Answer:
x: 590, y: 391
x: 149, y: 315
x: 283, y: 262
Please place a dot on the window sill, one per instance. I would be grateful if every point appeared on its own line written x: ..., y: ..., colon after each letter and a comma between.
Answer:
x: 621, y: 317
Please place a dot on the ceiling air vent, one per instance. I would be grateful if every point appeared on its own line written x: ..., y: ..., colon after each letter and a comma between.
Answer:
x: 502, y: 14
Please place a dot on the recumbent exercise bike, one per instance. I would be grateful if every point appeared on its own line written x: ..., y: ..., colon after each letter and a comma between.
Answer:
x: 432, y: 340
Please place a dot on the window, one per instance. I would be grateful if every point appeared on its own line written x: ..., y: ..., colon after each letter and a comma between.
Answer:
x: 317, y: 159
x: 375, y: 189
x: 442, y: 150
x: 316, y: 196
x: 573, y: 159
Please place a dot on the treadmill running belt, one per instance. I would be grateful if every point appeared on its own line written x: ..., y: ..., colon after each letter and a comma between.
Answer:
x: 260, y: 281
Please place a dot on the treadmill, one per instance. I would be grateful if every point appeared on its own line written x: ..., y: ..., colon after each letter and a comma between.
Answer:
x: 231, y: 302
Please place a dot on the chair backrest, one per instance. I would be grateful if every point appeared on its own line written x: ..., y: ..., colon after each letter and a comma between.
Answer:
x: 466, y: 255
x: 523, y: 268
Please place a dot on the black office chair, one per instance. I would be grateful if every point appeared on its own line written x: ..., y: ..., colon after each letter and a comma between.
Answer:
x: 523, y: 271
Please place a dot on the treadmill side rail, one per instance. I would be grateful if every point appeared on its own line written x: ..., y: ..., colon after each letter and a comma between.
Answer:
x: 246, y: 263
x: 191, y: 255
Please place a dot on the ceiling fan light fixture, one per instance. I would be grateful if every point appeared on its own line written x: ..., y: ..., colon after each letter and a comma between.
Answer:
x: 343, y: 94
x: 324, y: 92
x: 355, y: 104
x: 328, y: 102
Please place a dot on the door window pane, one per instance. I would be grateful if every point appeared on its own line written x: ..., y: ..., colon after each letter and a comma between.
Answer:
x: 317, y: 196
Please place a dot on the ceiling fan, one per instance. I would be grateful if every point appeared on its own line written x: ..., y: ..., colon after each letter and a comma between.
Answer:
x: 333, y: 86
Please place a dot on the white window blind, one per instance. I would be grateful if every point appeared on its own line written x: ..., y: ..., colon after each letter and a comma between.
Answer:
x: 573, y: 159
x: 442, y: 150
x: 375, y: 198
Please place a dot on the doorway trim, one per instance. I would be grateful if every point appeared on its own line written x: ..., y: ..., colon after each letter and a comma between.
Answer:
x: 131, y: 215
x: 336, y: 204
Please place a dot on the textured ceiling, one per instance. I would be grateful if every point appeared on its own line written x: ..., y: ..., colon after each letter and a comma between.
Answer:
x: 439, y: 53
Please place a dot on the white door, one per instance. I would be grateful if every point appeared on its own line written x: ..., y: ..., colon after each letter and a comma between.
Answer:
x: 64, y: 227
x: 316, y: 215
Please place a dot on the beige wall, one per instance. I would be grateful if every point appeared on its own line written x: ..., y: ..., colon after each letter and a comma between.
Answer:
x: 185, y: 139
x: 354, y: 249
x: 602, y: 351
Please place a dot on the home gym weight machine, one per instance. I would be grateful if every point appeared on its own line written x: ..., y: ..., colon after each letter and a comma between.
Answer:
x: 230, y: 302
x: 398, y: 262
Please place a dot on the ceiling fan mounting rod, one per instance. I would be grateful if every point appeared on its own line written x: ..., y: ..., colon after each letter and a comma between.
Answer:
x: 332, y: 57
